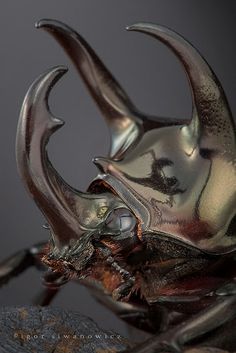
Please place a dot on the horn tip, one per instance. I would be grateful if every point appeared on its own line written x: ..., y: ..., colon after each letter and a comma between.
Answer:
x: 137, y: 26
x: 61, y: 69
x: 101, y: 162
x: 131, y: 27
x: 58, y: 122
x: 41, y: 23
x: 146, y: 27
x: 55, y: 73
x: 46, y: 23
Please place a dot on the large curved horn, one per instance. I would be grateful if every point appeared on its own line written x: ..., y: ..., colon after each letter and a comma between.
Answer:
x: 113, y: 102
x: 66, y: 209
x: 210, y: 103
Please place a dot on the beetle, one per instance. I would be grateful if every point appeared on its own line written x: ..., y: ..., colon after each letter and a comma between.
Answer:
x: 154, y: 237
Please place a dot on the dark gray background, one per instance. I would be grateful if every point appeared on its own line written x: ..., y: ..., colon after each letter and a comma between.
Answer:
x: 147, y: 70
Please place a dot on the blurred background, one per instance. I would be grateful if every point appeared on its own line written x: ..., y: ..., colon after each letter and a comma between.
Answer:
x: 146, y: 69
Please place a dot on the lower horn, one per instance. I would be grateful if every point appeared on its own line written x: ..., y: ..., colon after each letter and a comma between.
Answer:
x: 69, y: 212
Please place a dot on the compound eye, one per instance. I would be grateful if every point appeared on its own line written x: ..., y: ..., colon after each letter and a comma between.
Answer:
x: 120, y: 220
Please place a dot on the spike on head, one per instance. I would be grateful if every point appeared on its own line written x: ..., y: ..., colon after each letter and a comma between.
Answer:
x: 69, y: 212
x: 121, y: 116
x: 210, y: 106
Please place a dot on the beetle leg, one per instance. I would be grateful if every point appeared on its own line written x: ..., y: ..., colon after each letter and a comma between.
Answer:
x: 149, y: 319
x: 228, y: 289
x: 128, y: 280
x: 52, y: 284
x: 46, y: 296
x: 172, y: 340
x: 20, y: 261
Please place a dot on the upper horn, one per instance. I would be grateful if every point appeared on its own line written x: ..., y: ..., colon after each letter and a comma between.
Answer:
x: 209, y: 101
x: 119, y: 112
x: 69, y: 212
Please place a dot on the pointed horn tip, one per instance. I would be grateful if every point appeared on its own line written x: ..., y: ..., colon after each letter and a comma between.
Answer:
x: 100, y: 159
x: 44, y: 84
x: 41, y: 23
x: 145, y: 27
x: 60, y: 70
x: 101, y: 162
x: 47, y: 23
x: 131, y: 27
x: 54, y: 74
x: 51, y: 25
x: 38, y: 95
x: 54, y: 123
x: 49, y: 79
x: 57, y: 122
x: 137, y: 26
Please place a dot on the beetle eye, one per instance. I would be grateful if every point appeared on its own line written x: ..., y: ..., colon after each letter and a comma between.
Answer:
x: 120, y: 220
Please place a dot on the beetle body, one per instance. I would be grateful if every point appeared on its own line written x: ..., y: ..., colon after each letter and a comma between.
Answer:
x: 156, y: 227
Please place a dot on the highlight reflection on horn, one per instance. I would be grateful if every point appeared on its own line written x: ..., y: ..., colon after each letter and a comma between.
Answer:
x: 210, y: 103
x: 120, y: 114
x: 69, y: 212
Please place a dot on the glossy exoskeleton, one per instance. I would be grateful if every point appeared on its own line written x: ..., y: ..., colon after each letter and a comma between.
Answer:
x: 154, y: 236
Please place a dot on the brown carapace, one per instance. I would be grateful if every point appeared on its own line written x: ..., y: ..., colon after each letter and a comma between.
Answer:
x: 154, y: 236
